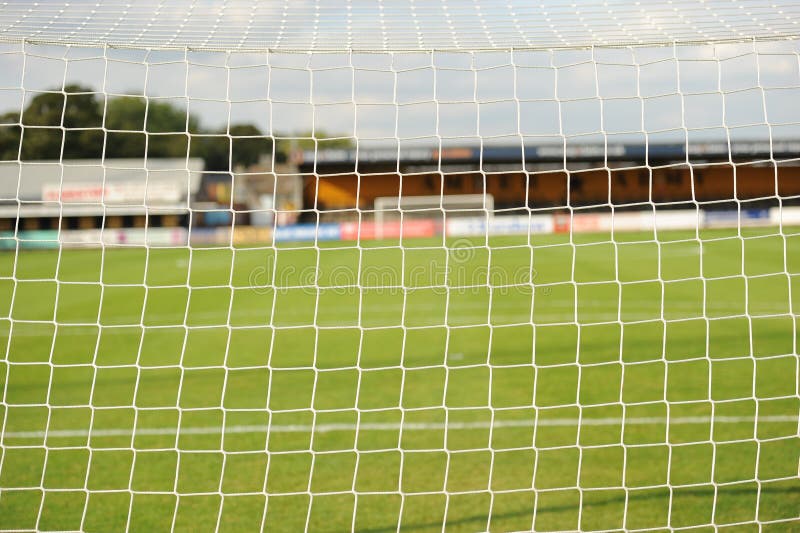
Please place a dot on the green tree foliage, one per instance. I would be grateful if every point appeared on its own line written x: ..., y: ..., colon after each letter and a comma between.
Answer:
x: 9, y: 136
x: 55, y: 121
x: 128, y: 118
x: 242, y: 145
x: 70, y: 124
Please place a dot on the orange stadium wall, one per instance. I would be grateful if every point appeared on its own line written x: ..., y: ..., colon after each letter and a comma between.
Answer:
x: 341, y: 191
x: 551, y: 189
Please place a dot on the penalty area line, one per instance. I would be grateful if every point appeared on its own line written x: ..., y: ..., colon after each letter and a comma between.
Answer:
x: 395, y: 426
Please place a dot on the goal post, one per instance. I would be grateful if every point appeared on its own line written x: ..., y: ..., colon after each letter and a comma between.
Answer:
x: 438, y: 209
x: 398, y: 265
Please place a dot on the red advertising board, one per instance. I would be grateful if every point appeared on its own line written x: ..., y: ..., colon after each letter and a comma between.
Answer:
x: 352, y: 231
x: 561, y: 223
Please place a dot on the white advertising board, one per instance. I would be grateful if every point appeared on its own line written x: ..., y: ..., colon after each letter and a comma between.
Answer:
x: 124, y: 236
x: 501, y: 225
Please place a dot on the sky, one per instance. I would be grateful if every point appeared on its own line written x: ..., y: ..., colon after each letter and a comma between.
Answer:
x: 495, y: 95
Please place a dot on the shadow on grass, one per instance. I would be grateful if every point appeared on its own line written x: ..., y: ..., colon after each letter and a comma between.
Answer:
x: 483, y: 518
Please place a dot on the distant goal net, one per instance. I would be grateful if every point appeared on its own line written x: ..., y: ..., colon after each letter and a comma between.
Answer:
x: 399, y: 266
x: 395, y: 209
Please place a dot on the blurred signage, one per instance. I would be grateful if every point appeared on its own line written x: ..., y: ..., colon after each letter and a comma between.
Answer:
x: 308, y: 232
x: 129, y: 192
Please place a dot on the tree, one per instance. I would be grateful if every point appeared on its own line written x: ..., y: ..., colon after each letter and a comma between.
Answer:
x: 249, y: 144
x: 9, y: 136
x: 241, y: 145
x: 51, y: 116
x: 69, y: 124
x: 130, y: 119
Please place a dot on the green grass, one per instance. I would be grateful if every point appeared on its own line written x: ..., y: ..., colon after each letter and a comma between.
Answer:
x: 504, y: 351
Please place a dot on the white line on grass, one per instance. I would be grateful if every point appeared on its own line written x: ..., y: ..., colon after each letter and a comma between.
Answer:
x: 394, y: 426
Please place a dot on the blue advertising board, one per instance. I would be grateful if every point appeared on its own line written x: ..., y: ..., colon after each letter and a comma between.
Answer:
x: 308, y: 232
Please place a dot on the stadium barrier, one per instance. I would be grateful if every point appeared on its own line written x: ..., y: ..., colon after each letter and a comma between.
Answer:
x: 746, y: 217
x: 93, y: 238
x: 209, y: 236
x: 351, y: 231
x: 788, y: 216
x: 251, y: 235
x: 35, y: 239
x: 308, y: 232
x: 683, y: 219
x: 222, y: 236
x: 124, y: 236
x: 505, y: 225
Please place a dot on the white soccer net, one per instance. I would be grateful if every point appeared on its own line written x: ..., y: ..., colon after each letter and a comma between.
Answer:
x: 209, y: 324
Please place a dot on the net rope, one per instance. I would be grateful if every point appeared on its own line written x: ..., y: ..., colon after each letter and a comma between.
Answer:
x: 205, y: 326
x: 393, y: 25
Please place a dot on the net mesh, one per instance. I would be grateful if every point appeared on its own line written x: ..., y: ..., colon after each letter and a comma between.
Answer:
x: 393, y: 25
x: 207, y: 323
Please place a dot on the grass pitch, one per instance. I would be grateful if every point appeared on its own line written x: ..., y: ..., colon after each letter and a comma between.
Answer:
x: 495, y: 386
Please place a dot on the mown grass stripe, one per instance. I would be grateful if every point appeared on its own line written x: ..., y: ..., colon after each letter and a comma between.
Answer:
x: 392, y: 426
